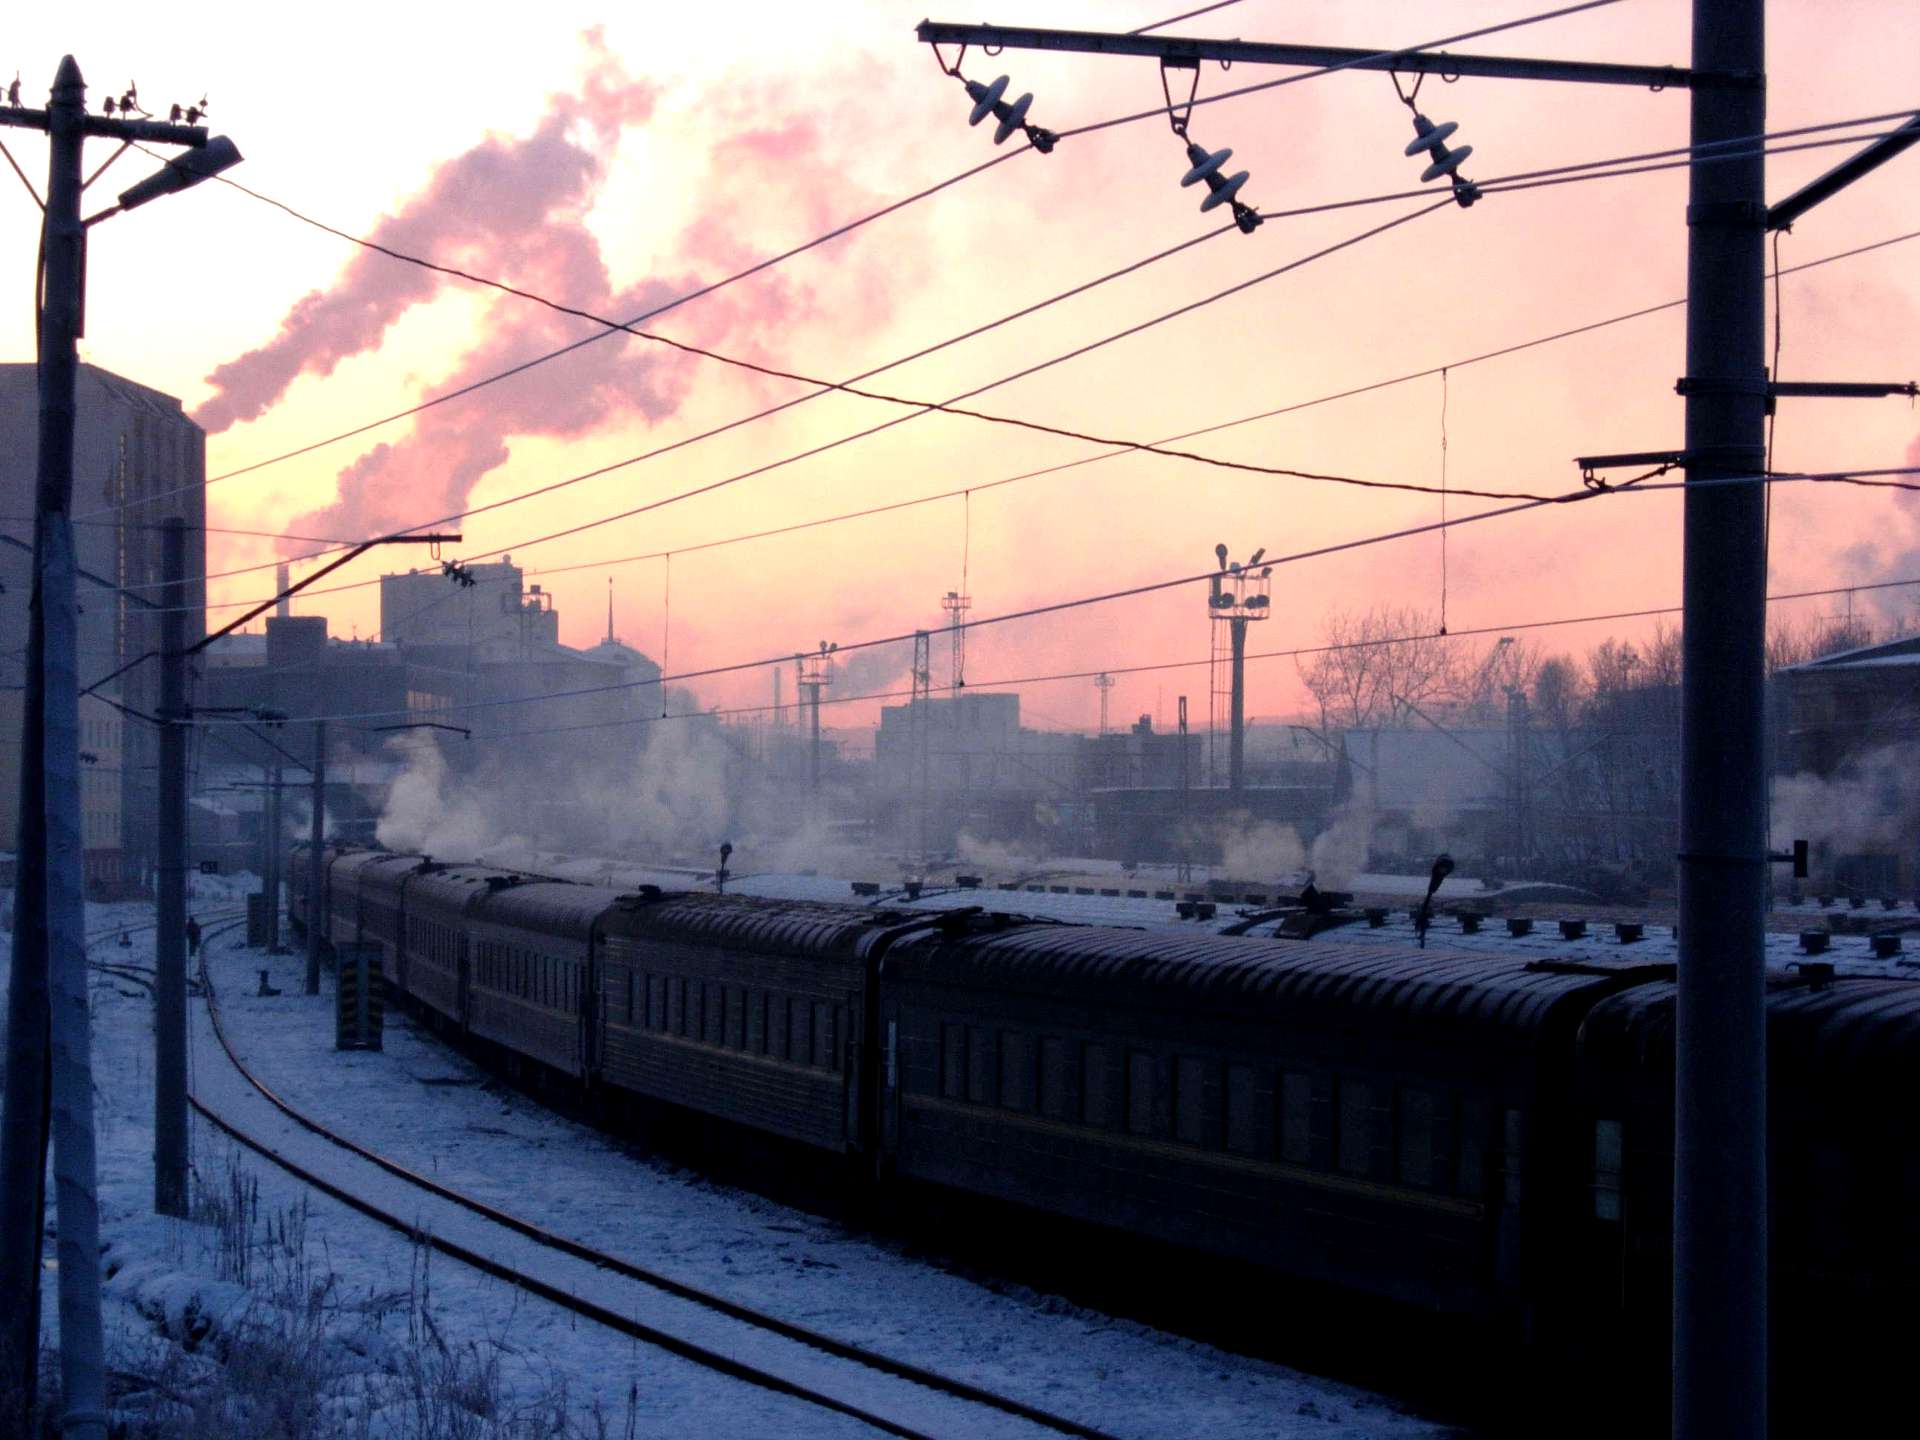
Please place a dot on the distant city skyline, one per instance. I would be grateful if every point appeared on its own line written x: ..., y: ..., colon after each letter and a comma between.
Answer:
x: 622, y: 167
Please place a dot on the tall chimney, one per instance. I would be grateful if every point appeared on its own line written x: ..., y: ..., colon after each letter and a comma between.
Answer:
x: 285, y: 607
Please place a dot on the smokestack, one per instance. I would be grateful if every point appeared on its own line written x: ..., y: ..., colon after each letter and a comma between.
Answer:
x: 778, y: 676
x: 285, y: 607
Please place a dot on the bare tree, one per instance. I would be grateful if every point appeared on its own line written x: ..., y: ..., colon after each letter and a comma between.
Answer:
x: 1510, y: 666
x: 1376, y: 667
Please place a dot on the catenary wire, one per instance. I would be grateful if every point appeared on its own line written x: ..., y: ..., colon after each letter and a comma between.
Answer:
x: 1126, y: 447
x: 1152, y: 587
x: 1584, y: 170
x: 1521, y: 180
x: 1348, y: 393
x: 924, y: 407
x: 1570, y: 497
x: 809, y: 453
x: 830, y: 235
x: 1294, y: 653
x: 1188, y: 15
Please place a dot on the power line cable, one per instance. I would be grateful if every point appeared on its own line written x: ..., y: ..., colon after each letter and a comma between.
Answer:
x: 1295, y: 653
x: 1571, y: 497
x: 923, y: 407
x: 918, y: 413
x: 828, y: 236
x: 824, y: 387
x: 1406, y: 377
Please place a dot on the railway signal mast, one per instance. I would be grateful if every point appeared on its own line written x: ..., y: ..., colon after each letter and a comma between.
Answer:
x: 1236, y: 598
x: 814, y: 673
x: 1720, y: 1190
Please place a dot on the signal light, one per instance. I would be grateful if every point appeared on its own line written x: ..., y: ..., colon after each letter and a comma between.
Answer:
x: 1444, y: 162
x: 987, y: 101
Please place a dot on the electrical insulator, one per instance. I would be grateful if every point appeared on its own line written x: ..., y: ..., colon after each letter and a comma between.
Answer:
x: 987, y: 101
x: 1205, y: 165
x: 1445, y: 163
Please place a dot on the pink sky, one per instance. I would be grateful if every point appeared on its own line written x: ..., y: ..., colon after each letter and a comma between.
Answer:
x: 676, y: 149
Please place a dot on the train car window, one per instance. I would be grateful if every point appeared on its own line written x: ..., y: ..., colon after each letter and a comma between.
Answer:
x: 733, y: 1022
x: 757, y: 1022
x: 1296, y: 1118
x: 823, y: 1032
x: 1414, y: 1132
x: 1354, y: 1136
x: 629, y: 997
x: 1056, y: 1078
x: 800, y: 1044
x: 1190, y: 1099
x: 1470, y: 1172
x: 1242, y: 1138
x: 677, y: 1005
x: 1140, y: 1092
x: 981, y: 1059
x: 1016, y: 1071
x: 953, y: 1061
x: 1608, y: 1149
x: 1097, y: 1094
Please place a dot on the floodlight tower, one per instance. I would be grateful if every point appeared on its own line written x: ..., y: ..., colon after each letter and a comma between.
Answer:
x: 1103, y: 682
x: 814, y: 672
x: 956, y: 605
x: 1236, y: 597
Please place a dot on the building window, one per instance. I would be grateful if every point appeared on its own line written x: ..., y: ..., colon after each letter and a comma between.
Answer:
x: 1190, y: 1100
x: 953, y: 1061
x: 1241, y: 1137
x: 1056, y: 1078
x: 1416, y: 1149
x: 1355, y: 1136
x: 1296, y: 1118
x: 1016, y: 1071
x: 1140, y: 1092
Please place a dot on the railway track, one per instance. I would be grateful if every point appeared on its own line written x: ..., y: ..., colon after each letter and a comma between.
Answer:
x: 719, y: 1334
x: 217, y: 920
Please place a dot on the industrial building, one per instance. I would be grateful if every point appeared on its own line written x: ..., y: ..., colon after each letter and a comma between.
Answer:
x: 138, y: 460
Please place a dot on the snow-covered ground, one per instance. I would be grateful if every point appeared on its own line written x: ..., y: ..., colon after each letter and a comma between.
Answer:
x: 388, y: 1311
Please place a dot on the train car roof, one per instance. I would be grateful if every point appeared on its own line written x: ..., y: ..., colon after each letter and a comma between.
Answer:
x: 1854, y: 1034
x: 552, y: 907
x: 747, y: 922
x: 1246, y: 978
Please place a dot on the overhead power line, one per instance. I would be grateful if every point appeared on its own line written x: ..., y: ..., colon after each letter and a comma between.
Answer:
x: 1298, y: 652
x: 1582, y: 170
x: 1405, y: 377
x: 829, y: 236
x: 1571, y: 497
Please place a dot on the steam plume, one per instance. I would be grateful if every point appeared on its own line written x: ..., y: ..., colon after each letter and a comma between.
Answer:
x: 517, y: 208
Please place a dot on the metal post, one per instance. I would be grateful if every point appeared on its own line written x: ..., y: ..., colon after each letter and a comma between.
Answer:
x: 272, y: 863
x: 170, y: 910
x: 1720, y: 1138
x: 1237, y: 740
x: 1184, y: 870
x: 813, y: 760
x: 53, y: 691
x: 316, y: 872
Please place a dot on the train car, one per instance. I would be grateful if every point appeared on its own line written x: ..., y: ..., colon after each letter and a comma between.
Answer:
x: 299, y: 878
x: 749, y: 1011
x: 530, y: 980
x: 436, y: 934
x: 1844, y: 1178
x: 344, y: 920
x: 1391, y: 1122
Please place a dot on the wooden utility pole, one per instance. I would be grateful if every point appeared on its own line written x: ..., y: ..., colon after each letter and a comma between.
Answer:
x: 170, y: 899
x: 49, y: 1050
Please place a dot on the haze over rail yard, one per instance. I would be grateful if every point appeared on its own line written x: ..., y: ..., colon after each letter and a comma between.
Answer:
x: 752, y: 721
